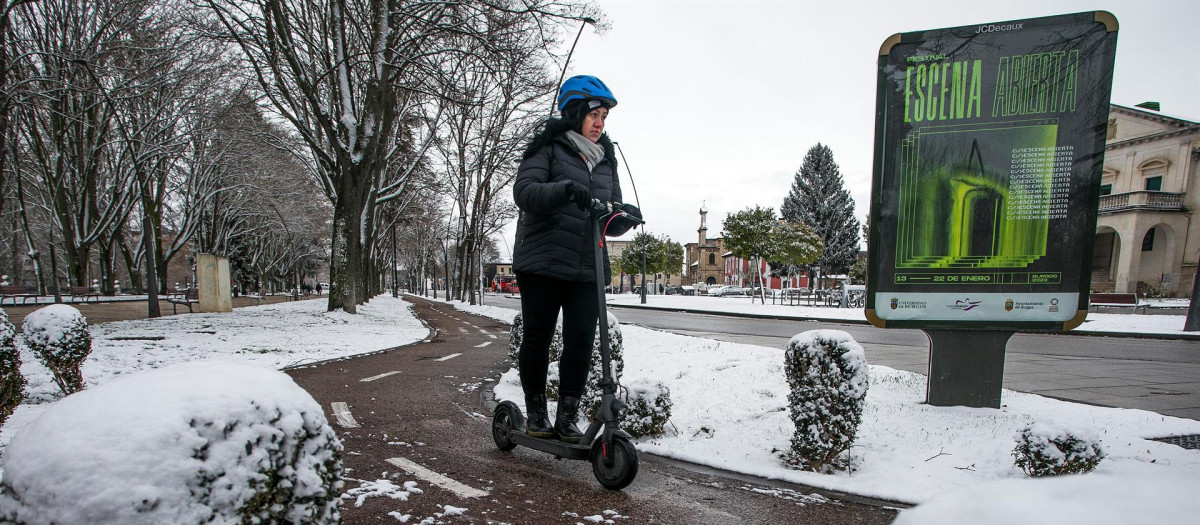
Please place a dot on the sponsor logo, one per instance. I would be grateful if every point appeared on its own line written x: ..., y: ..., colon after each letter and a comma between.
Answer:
x: 897, y: 304
x: 965, y: 305
x: 1054, y: 304
x: 993, y: 28
x: 1008, y: 305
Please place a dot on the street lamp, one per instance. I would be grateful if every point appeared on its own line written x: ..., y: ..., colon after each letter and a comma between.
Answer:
x: 554, y: 101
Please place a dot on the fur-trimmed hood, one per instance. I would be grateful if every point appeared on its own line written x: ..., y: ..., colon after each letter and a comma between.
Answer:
x: 554, y: 129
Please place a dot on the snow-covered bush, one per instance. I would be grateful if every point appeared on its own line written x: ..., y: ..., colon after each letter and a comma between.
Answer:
x: 827, y: 374
x: 203, y: 442
x: 648, y: 410
x: 1049, y: 449
x: 58, y: 335
x: 516, y: 334
x: 12, y: 383
x: 590, y: 402
x: 591, y: 396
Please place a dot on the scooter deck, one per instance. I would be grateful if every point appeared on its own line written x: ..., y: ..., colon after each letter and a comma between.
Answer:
x: 553, y: 446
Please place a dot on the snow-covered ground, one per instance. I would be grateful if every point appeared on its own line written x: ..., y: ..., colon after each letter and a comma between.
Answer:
x: 273, y: 336
x: 730, y: 412
x: 729, y: 407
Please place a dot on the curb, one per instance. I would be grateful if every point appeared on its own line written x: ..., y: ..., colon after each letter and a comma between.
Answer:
x: 1092, y: 333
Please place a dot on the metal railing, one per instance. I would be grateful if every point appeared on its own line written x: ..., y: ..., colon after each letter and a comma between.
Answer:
x: 1141, y: 200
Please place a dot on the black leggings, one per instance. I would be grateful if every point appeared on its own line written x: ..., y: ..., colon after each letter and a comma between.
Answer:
x: 541, y: 299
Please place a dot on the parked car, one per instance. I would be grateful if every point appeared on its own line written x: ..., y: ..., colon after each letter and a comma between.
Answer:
x: 733, y: 291
x: 759, y: 291
x: 687, y: 290
x: 715, y: 291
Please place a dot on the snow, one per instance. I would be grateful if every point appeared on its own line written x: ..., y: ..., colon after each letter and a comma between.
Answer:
x: 730, y: 412
x: 270, y: 336
x: 48, y: 325
x: 178, y: 445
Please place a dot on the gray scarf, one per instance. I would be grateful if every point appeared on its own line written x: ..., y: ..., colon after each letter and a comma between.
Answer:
x: 593, y: 153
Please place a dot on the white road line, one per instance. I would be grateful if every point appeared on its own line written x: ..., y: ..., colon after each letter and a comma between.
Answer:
x: 451, y: 356
x: 482, y: 331
x: 461, y: 329
x: 492, y: 336
x: 342, y: 413
x: 483, y: 344
x: 461, y: 490
x: 380, y: 376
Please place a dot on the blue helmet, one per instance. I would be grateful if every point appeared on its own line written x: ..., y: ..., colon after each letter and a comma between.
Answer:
x: 585, y: 87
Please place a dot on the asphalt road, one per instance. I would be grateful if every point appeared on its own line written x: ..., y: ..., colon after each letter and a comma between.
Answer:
x: 1160, y: 375
x: 424, y: 407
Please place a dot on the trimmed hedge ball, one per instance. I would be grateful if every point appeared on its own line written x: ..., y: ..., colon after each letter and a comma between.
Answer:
x: 828, y: 375
x: 1050, y: 449
x: 58, y: 335
x: 199, y: 442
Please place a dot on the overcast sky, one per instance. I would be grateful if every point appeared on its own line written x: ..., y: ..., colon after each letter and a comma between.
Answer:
x: 720, y: 100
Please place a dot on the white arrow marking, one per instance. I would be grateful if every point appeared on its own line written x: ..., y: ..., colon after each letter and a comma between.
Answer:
x: 461, y: 490
x: 451, y: 356
x: 342, y: 413
x: 380, y: 376
x: 483, y: 344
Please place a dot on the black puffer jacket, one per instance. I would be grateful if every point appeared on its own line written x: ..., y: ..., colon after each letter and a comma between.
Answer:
x: 554, y: 237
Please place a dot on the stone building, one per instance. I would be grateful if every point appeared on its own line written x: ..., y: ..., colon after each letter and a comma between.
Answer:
x: 1148, y: 228
x: 704, y: 259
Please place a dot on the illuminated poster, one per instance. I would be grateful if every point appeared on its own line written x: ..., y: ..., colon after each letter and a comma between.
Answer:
x: 988, y: 154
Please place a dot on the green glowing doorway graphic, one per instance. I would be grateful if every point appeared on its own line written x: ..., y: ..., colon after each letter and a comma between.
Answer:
x: 962, y: 202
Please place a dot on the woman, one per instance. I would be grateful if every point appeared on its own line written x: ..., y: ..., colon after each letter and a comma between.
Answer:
x: 567, y: 165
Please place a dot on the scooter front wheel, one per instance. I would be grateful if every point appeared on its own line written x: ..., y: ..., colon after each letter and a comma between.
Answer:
x: 615, y: 468
x: 506, y: 421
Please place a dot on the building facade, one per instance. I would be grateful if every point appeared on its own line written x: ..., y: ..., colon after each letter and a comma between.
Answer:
x: 1148, y: 227
x: 704, y: 259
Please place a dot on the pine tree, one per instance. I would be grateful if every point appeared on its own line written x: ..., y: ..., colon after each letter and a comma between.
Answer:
x: 819, y: 200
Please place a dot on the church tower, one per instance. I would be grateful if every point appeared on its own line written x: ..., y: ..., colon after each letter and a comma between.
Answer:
x: 703, y: 231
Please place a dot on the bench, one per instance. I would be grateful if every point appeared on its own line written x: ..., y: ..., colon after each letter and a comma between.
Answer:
x: 83, y: 292
x: 257, y: 299
x: 14, y: 291
x: 184, y: 297
x: 1115, y: 300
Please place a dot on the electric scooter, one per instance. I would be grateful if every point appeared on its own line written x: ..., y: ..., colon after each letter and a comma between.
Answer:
x: 612, y: 454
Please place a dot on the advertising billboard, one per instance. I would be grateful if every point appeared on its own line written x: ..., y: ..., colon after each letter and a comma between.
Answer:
x: 989, y: 148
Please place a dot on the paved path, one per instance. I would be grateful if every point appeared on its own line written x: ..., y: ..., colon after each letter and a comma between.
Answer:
x: 420, y: 413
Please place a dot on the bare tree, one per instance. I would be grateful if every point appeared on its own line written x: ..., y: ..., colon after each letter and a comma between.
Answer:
x: 342, y: 73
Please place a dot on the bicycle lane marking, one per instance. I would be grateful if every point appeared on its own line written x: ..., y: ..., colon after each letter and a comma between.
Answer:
x: 463, y: 491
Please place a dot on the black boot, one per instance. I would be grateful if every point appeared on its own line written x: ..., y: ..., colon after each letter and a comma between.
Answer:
x: 537, y: 421
x: 564, y: 421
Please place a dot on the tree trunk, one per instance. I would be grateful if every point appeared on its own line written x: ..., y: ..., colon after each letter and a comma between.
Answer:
x: 106, y: 268
x: 345, y: 258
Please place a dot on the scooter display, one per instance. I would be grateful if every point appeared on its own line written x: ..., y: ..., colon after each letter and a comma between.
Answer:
x: 613, y: 456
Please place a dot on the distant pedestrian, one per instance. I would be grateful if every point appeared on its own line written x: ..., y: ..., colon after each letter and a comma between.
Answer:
x: 318, y: 288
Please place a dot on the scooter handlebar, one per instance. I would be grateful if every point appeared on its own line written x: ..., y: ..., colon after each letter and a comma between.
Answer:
x: 604, y: 208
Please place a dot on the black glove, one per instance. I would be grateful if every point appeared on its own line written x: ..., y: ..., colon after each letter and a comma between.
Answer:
x: 579, y: 194
x: 623, y: 224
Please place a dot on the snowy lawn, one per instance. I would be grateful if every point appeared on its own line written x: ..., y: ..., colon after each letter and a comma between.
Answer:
x: 272, y: 336
x: 730, y: 412
x: 1096, y: 322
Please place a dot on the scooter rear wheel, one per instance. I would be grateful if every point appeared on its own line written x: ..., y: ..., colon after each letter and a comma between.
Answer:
x: 506, y: 421
x: 624, y: 465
